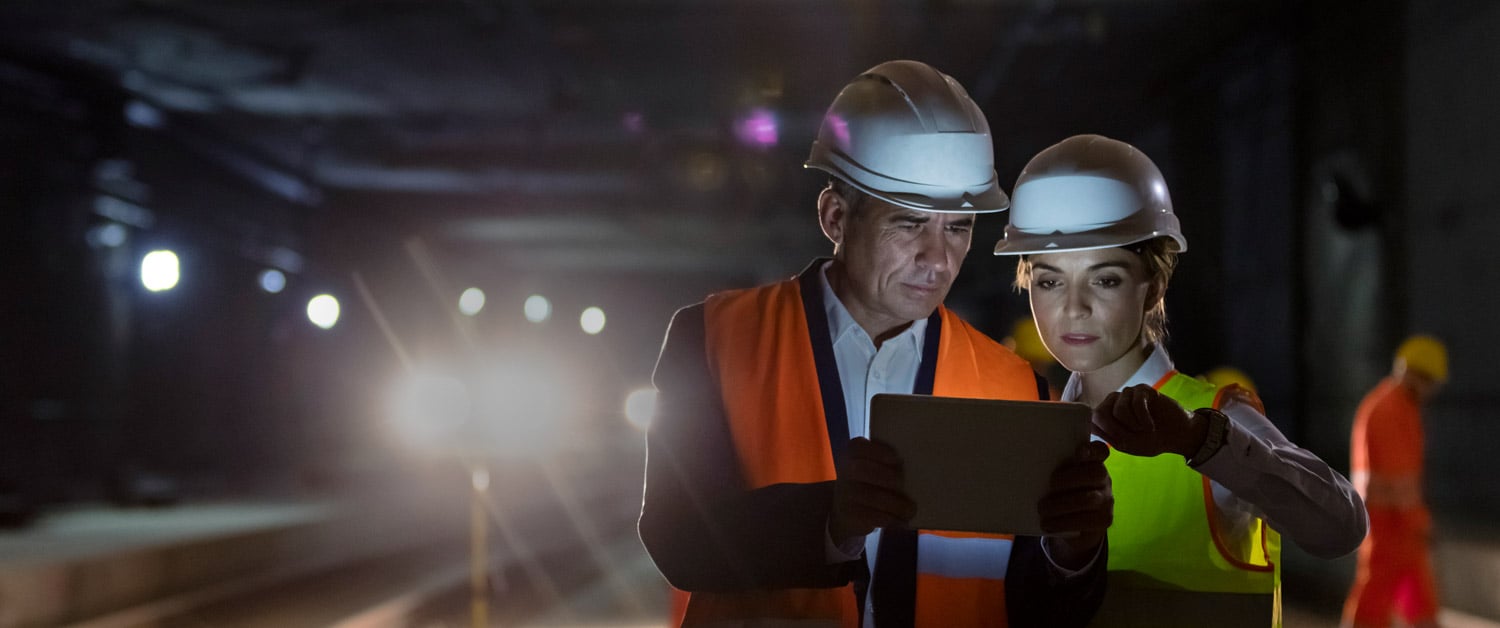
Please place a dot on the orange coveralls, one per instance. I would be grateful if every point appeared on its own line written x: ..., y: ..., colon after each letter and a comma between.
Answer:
x: 1386, y: 464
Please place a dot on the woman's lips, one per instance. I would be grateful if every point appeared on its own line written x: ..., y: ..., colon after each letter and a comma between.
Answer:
x: 1078, y: 339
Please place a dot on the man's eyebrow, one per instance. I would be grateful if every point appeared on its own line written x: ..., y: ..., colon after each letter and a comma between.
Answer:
x: 912, y: 216
x: 966, y: 221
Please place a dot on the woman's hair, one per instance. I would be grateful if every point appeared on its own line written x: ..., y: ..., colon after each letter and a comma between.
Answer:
x: 1159, y: 261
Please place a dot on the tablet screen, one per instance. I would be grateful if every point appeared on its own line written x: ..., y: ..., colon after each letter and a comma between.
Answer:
x: 978, y: 465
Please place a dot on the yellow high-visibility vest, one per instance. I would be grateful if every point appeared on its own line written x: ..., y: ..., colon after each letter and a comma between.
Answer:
x: 1170, y: 561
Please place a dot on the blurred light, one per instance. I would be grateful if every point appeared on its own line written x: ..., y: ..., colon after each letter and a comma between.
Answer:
x: 159, y: 270
x: 538, y: 308
x: 592, y: 321
x: 480, y: 477
x: 143, y: 115
x: 272, y: 281
x: 526, y: 404
x: 758, y: 128
x: 110, y: 235
x: 323, y: 311
x: 122, y: 211
x: 429, y: 408
x: 633, y: 121
x: 282, y: 257
x: 471, y: 301
x: 640, y: 406
x: 840, y: 128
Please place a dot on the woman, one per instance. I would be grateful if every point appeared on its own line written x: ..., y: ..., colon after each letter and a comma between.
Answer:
x: 1194, y: 543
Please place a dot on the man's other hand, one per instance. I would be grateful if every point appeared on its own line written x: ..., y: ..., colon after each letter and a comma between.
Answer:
x: 869, y: 492
x: 1079, y: 506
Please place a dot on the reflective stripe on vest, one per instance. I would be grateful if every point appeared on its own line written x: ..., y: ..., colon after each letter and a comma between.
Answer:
x: 761, y: 353
x: 960, y: 577
x: 1170, y: 563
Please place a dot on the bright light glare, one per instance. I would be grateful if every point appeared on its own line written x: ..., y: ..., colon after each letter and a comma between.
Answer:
x: 272, y: 281
x: 323, y: 311
x: 592, y: 321
x: 640, y: 406
x: 159, y: 270
x: 538, y: 308
x: 429, y: 408
x: 471, y: 301
x: 525, y: 406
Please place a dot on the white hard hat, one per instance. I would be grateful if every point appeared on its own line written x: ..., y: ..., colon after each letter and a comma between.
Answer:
x: 1089, y: 192
x: 908, y: 134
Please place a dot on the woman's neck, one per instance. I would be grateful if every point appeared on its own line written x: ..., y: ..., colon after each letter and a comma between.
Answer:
x: 1097, y: 384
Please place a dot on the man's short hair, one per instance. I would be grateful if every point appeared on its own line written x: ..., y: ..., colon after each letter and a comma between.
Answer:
x: 851, y: 195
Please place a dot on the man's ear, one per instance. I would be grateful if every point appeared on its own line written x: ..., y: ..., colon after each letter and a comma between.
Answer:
x: 833, y: 214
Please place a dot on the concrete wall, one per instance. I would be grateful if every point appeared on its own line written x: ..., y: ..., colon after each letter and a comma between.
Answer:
x: 1452, y: 238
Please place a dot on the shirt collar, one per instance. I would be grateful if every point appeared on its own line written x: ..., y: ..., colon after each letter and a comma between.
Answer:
x: 1156, y: 366
x: 842, y: 323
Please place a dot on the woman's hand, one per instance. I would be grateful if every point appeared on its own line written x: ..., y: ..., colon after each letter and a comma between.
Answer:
x: 1143, y: 422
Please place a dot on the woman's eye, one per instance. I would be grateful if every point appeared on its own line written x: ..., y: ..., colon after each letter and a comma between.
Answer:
x: 1045, y: 284
x: 1108, y: 282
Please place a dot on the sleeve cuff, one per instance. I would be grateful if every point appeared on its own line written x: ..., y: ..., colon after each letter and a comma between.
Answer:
x: 1064, y: 572
x: 835, y: 553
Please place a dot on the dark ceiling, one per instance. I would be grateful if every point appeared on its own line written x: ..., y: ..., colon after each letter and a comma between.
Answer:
x: 568, y: 133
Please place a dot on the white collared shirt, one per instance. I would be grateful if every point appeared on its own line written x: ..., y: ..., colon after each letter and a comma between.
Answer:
x: 865, y: 371
x: 1259, y: 473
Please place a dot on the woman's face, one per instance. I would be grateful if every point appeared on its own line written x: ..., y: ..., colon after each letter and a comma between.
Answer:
x: 1090, y: 306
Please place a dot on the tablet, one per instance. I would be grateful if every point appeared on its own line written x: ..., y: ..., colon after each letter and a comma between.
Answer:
x: 978, y: 465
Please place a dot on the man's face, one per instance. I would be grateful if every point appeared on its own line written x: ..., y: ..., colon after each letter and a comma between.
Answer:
x: 898, y: 263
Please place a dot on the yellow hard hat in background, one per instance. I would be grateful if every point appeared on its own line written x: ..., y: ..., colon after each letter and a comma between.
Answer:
x: 1225, y: 375
x: 1426, y: 355
x: 1026, y: 341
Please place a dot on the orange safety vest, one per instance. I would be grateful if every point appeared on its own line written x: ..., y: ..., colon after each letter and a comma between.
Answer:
x: 762, y: 354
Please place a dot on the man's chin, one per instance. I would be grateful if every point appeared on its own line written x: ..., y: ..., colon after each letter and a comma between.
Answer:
x: 921, y: 311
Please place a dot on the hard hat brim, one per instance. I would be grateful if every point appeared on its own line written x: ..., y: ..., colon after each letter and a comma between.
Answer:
x: 1020, y: 243
x: 987, y: 198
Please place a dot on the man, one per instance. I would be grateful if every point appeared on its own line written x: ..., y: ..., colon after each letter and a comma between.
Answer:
x: 1386, y: 464
x: 762, y: 497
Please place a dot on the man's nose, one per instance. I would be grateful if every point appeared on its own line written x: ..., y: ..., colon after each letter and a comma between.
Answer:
x: 933, y: 250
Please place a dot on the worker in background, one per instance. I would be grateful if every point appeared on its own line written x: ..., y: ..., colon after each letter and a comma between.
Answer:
x: 1225, y: 376
x: 763, y: 497
x: 1203, y: 482
x: 1232, y: 381
x: 1386, y: 461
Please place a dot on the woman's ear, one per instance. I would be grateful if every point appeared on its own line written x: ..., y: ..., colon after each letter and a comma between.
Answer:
x: 1156, y: 290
